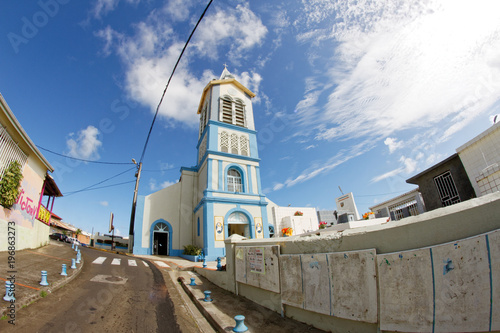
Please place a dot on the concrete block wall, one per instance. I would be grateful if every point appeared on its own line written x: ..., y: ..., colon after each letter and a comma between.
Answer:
x: 435, y: 272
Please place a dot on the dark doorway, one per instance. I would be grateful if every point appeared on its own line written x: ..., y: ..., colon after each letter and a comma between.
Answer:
x: 160, y: 243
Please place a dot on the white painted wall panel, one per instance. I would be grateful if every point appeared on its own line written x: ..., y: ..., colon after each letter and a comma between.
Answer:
x: 291, y: 280
x: 406, y: 291
x: 354, y: 285
x: 259, y: 271
x: 316, y: 283
x: 462, y: 286
x: 494, y: 245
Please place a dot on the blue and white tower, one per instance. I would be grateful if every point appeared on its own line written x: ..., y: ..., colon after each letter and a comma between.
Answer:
x: 232, y: 201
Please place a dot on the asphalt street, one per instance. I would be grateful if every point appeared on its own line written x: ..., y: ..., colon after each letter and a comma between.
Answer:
x: 113, y: 293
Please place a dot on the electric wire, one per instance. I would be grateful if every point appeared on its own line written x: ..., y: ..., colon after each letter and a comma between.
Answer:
x: 170, y: 78
x: 100, y: 187
x: 102, y: 181
x: 81, y: 159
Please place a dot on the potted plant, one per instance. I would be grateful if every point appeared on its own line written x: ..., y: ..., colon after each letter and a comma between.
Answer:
x: 322, y: 225
x: 191, y: 252
x: 287, y: 232
x: 298, y: 213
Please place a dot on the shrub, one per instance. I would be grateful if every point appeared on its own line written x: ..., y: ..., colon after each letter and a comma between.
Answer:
x: 192, y: 250
x: 9, y: 185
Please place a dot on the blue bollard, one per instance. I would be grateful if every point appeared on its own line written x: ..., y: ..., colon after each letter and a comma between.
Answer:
x: 192, y: 282
x: 207, y: 296
x: 204, y: 263
x: 240, y: 325
x: 77, y: 258
x: 44, y: 279
x: 63, y: 272
x: 219, y: 266
x: 76, y: 247
x: 9, y: 292
x: 73, y: 266
x: 73, y: 246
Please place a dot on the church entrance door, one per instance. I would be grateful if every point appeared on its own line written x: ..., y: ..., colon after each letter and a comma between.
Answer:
x: 160, y: 239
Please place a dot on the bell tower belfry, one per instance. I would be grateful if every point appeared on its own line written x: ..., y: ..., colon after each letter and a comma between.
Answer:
x: 230, y: 198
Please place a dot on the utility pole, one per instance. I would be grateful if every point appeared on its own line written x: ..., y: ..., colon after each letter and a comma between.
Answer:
x: 134, y: 202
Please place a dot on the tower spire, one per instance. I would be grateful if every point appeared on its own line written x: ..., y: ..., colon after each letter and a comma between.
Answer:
x: 226, y: 74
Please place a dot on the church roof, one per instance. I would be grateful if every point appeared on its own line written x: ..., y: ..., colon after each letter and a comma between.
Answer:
x: 225, y: 78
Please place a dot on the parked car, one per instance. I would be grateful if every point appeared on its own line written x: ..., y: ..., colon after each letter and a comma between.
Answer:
x: 73, y: 240
x: 58, y: 236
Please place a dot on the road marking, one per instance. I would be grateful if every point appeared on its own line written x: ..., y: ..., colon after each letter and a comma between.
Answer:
x: 109, y: 279
x: 116, y: 261
x: 132, y: 262
x: 145, y: 264
x: 161, y: 264
x: 99, y: 260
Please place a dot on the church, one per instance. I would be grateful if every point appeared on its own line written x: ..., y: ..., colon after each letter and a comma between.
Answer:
x: 220, y: 196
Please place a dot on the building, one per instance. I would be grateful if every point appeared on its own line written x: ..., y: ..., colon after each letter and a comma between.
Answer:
x: 328, y: 216
x: 58, y: 226
x: 481, y: 160
x: 408, y: 204
x: 444, y: 183
x: 30, y: 216
x: 300, y: 219
x: 221, y: 195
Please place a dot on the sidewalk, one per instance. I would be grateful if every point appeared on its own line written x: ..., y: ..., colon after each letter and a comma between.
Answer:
x: 26, y: 267
x: 225, y: 306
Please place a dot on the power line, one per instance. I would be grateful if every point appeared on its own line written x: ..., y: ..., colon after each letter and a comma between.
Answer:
x: 81, y: 159
x: 170, y: 78
x: 105, y: 180
x: 100, y: 187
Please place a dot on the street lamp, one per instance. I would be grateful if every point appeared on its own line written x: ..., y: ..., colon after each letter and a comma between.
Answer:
x: 134, y: 202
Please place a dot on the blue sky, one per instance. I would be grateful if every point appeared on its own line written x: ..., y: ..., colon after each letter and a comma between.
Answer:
x: 359, y: 95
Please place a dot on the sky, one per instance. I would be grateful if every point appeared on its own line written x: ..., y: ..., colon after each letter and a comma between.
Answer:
x: 351, y: 96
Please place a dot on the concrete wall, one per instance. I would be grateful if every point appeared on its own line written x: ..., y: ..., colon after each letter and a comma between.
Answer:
x: 434, y: 272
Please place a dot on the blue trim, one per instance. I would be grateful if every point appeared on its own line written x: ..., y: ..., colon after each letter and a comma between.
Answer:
x: 192, y: 169
x: 232, y: 201
x: 213, y: 139
x: 209, y: 174
x: 201, y: 137
x: 265, y: 222
x: 433, y: 293
x: 249, y: 173
x: 220, y: 175
x: 230, y: 126
x: 257, y: 172
x: 198, y: 226
x: 238, y: 168
x: 491, y: 280
x: 251, y: 222
x: 170, y: 232
x: 254, y: 151
x: 138, y: 224
x: 240, y: 157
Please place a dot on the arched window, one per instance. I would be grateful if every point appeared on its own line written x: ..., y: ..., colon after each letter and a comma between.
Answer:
x: 227, y: 110
x: 239, y: 113
x: 232, y: 111
x: 161, y: 227
x: 224, y: 142
x: 234, y: 182
x: 237, y: 223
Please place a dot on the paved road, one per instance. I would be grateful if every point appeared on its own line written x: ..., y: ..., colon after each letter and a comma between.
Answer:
x: 113, y: 293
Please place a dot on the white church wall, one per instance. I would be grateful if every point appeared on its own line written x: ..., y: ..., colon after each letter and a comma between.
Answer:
x: 253, y: 173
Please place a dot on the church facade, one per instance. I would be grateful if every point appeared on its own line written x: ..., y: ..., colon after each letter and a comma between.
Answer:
x: 222, y: 194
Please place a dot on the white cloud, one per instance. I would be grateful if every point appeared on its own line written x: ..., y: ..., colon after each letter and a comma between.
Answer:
x: 402, y: 65
x: 408, y: 166
x: 153, y: 184
x: 334, y: 161
x: 393, y: 144
x: 151, y: 53
x: 310, y: 147
x: 85, y: 144
x: 104, y: 203
x: 103, y: 7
